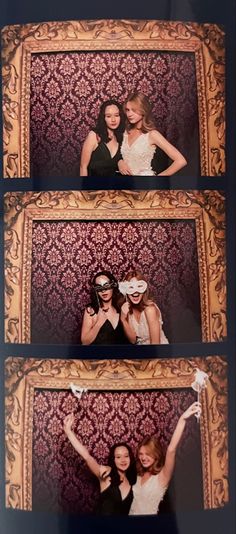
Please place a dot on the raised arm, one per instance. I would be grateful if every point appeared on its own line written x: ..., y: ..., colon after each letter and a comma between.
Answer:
x: 89, y: 146
x: 153, y: 320
x: 91, y: 325
x: 79, y: 447
x: 167, y: 470
x: 179, y: 160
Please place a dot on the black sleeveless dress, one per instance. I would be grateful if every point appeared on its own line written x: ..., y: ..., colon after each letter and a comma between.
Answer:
x: 111, y: 503
x: 108, y: 335
x: 102, y: 163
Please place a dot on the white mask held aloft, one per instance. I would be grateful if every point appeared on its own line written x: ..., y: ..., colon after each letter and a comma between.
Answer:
x: 77, y: 391
x: 200, y: 382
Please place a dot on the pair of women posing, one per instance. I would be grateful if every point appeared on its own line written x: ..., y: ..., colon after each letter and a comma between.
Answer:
x: 110, y: 319
x: 126, y: 488
x: 125, y: 141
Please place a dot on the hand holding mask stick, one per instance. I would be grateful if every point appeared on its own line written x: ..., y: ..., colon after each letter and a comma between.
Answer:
x: 200, y: 382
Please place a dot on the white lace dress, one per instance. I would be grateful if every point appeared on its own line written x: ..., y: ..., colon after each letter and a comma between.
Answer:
x: 147, y: 496
x: 138, y: 155
x: 142, y: 330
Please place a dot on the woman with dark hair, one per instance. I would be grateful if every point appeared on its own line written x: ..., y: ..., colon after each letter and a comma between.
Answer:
x: 141, y: 139
x: 116, y: 479
x: 101, y: 148
x: 155, y: 470
x: 119, y: 485
x: 101, y: 322
x: 140, y: 316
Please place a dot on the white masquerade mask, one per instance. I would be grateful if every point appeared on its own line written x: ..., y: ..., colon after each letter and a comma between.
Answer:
x: 77, y: 391
x: 200, y: 382
x: 135, y: 286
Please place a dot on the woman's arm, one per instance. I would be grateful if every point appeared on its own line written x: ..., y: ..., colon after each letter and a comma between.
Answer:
x: 79, y: 447
x: 153, y: 320
x: 89, y: 146
x: 124, y: 168
x: 124, y: 317
x: 167, y: 470
x: 91, y: 326
x: 179, y: 160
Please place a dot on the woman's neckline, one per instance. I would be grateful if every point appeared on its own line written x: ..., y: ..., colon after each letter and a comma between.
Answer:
x: 135, y: 140
x: 114, y: 155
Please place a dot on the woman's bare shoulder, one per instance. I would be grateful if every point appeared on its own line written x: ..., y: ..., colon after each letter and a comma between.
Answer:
x: 92, y: 136
x: 152, y: 309
x: 153, y: 134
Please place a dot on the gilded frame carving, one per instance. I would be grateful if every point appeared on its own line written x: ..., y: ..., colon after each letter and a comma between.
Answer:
x: 23, y: 375
x: 206, y: 41
x: 205, y: 207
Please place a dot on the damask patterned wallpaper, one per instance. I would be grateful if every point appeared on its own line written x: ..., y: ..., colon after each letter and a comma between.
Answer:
x: 66, y: 255
x: 67, y: 90
x: 61, y: 479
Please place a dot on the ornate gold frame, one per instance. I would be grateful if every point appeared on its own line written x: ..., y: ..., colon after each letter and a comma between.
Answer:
x: 206, y: 41
x: 24, y: 375
x: 205, y: 207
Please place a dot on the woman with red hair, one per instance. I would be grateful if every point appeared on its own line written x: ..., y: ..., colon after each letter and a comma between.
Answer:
x: 155, y: 470
x: 140, y: 316
x: 141, y: 138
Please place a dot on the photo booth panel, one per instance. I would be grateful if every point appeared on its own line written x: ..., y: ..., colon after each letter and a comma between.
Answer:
x: 55, y: 242
x: 126, y: 400
x: 71, y: 67
x: 61, y: 480
x: 67, y: 254
x: 68, y: 89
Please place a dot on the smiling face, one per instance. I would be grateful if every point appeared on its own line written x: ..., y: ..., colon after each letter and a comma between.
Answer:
x: 134, y: 114
x: 103, y: 288
x: 121, y: 458
x: 112, y: 117
x: 145, y: 457
x: 136, y: 290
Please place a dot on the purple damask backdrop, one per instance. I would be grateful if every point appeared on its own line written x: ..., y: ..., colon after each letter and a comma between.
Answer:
x: 67, y: 254
x: 67, y: 90
x: 61, y: 480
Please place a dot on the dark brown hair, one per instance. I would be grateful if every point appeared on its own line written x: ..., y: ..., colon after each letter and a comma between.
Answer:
x: 130, y: 473
x: 101, y: 127
x: 94, y: 296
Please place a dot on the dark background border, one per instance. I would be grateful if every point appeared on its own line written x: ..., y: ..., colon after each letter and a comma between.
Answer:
x: 215, y: 521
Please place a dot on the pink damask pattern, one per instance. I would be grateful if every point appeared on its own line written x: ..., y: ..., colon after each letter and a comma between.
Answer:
x: 61, y: 479
x: 67, y: 90
x: 66, y: 256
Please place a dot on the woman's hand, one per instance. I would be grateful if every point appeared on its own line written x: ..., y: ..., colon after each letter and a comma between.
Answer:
x: 194, y: 409
x: 92, y: 322
x: 68, y: 422
x: 101, y: 317
x: 104, y: 471
x: 124, y: 168
x: 125, y: 308
x: 178, y: 160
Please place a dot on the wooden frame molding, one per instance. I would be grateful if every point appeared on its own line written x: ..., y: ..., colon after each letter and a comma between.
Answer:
x: 205, y: 41
x: 23, y: 375
x: 205, y: 207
